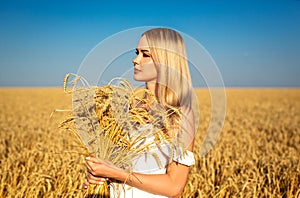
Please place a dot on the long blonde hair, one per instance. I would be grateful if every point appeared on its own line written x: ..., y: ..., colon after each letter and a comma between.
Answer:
x: 168, y: 52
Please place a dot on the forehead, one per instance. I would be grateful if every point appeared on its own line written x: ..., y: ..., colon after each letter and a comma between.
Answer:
x: 143, y: 43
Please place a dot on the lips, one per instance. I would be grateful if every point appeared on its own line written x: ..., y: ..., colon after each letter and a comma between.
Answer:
x: 136, y: 70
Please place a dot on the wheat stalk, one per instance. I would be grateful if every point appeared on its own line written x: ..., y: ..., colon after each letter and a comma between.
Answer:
x: 108, y: 119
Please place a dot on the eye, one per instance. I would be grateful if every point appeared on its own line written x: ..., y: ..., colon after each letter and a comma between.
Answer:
x: 136, y: 52
x: 146, y: 55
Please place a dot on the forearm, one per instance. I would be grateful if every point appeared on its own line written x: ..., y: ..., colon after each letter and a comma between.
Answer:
x: 168, y: 184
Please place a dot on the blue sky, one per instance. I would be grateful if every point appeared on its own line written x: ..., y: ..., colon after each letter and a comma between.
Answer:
x: 254, y: 43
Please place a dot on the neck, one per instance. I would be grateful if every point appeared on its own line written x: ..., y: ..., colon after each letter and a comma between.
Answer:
x: 151, y: 86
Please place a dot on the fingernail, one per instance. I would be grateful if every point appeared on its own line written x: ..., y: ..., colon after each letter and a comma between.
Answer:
x: 101, y: 182
x: 85, y: 186
x: 87, y: 158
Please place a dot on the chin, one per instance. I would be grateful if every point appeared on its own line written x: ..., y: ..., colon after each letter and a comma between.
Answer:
x: 138, y: 79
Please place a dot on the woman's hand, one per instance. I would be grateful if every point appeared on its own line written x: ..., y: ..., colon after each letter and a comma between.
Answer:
x: 93, y: 180
x: 98, y: 170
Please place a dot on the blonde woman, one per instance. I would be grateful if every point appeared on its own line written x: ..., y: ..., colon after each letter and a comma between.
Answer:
x: 162, y: 64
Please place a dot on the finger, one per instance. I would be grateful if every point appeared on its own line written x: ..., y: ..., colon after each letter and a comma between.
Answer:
x: 96, y: 181
x: 95, y: 178
x: 94, y: 160
x: 90, y: 165
x: 86, y: 184
x: 89, y: 168
x: 91, y: 160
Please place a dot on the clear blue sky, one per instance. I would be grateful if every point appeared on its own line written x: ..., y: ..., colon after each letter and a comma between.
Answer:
x: 254, y: 43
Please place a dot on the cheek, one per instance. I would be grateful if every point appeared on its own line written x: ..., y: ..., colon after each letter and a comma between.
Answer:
x: 150, y: 70
x: 149, y: 67
x: 146, y: 61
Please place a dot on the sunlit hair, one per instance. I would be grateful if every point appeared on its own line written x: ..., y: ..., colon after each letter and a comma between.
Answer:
x: 168, y: 52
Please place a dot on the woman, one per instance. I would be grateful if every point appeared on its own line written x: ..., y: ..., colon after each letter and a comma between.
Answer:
x: 161, y: 63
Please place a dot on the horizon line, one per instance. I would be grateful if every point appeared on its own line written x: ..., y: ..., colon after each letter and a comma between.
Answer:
x: 225, y: 87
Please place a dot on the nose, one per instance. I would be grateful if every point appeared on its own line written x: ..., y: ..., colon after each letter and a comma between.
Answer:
x: 136, y: 60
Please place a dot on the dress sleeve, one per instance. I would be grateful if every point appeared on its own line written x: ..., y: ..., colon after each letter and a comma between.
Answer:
x: 186, y: 158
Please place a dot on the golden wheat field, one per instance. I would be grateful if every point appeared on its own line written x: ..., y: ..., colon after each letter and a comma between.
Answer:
x: 257, y: 153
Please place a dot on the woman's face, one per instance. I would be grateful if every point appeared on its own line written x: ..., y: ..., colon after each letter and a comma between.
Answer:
x: 144, y: 68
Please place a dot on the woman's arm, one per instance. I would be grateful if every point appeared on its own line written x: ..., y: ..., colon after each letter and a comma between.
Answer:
x: 170, y: 184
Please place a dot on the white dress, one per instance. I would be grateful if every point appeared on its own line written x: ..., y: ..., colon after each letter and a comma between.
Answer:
x: 148, y: 164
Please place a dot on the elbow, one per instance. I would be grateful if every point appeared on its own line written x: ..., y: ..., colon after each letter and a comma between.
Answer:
x: 176, y: 191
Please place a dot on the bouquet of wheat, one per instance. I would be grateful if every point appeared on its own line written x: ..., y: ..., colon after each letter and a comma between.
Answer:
x: 107, y: 119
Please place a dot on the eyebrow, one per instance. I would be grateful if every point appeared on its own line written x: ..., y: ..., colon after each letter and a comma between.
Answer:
x: 142, y: 50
